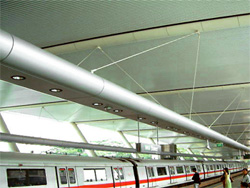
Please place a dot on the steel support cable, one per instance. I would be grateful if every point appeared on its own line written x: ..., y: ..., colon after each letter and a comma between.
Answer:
x: 129, y: 76
x: 224, y: 111
x: 234, y: 114
x: 243, y: 132
x: 50, y: 114
x: 145, y: 51
x: 86, y: 57
x: 187, y: 105
x: 195, y: 74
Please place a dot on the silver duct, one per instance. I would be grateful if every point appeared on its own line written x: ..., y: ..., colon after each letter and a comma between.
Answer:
x: 49, y: 142
x: 23, y: 56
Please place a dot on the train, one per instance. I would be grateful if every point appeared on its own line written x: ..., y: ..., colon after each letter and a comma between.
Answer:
x: 61, y: 171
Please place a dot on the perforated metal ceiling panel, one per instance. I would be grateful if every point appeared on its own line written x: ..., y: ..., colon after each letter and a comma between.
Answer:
x: 47, y: 23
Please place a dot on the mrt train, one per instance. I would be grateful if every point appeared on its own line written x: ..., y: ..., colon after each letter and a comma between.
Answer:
x: 56, y: 171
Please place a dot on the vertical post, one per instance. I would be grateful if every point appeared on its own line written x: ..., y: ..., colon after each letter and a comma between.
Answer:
x: 157, y: 132
x: 89, y: 152
x: 128, y: 143
x: 138, y: 126
x: 3, y: 128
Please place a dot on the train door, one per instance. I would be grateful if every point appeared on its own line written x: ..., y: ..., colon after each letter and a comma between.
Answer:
x: 119, y: 177
x: 207, y: 171
x: 66, y: 176
x: 151, y: 176
x: 189, y: 174
x: 172, y: 174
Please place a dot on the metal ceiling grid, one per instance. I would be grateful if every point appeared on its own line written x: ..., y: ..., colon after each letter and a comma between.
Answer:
x: 52, y: 22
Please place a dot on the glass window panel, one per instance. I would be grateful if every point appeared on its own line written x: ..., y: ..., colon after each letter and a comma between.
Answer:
x: 116, y: 173
x: 26, y: 177
x: 211, y: 167
x: 89, y: 175
x: 192, y: 167
x: 72, y: 177
x: 218, y: 167
x: 121, y: 173
x: 172, y: 171
x: 150, y: 171
x: 101, y: 174
x: 16, y: 177
x: 179, y: 170
x: 63, y: 176
x: 198, y: 168
x: 161, y: 171
x: 187, y: 169
x: 207, y: 167
x: 37, y: 177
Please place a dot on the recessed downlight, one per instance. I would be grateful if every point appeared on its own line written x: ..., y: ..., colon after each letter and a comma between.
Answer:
x: 117, y: 110
x: 154, y: 122
x: 55, y: 90
x: 107, y: 108
x: 141, y: 118
x: 18, y: 77
x: 97, y: 104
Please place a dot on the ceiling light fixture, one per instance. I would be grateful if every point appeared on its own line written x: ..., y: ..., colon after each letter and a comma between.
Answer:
x: 55, y: 90
x: 107, y: 108
x: 154, y: 122
x: 97, y: 104
x: 17, y: 77
x: 141, y: 118
x: 117, y: 111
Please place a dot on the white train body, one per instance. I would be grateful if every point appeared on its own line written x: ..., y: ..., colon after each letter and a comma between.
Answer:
x: 53, y: 171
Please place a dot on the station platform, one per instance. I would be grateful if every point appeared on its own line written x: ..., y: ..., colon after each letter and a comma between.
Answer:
x: 235, y: 184
x: 215, y: 183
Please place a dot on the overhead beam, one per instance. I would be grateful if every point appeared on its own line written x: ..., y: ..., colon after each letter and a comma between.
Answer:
x: 50, y: 142
x: 198, y: 89
x: 233, y: 124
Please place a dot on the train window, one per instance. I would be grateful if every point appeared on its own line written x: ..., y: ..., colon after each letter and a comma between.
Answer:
x: 118, y: 173
x: 101, y: 174
x: 218, y: 167
x: 63, y: 175
x: 179, y: 170
x: 26, y: 177
x: 171, y: 169
x: 72, y: 177
x: 121, y: 173
x: 192, y: 167
x: 89, y: 175
x: 211, y: 167
x: 187, y: 169
x: 161, y: 171
x: 150, y: 171
x: 198, y: 168
x: 207, y: 167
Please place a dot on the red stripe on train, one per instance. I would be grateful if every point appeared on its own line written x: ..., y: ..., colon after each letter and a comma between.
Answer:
x: 107, y: 185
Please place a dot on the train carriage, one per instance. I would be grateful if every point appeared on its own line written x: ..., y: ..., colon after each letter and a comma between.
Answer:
x: 50, y: 171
